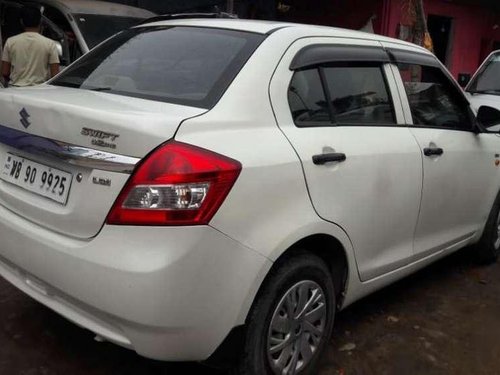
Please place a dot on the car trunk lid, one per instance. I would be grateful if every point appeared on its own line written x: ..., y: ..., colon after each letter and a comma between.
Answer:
x: 92, y: 139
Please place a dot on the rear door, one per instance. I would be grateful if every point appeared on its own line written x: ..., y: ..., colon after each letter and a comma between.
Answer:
x: 336, y: 102
x: 460, y: 175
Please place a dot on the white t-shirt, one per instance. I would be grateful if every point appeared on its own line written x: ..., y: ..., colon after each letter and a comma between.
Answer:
x: 30, y: 55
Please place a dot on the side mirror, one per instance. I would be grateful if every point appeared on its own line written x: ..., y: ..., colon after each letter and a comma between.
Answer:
x: 489, y: 118
x: 464, y: 79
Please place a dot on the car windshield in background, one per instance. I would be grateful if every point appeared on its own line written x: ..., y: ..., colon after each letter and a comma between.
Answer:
x: 97, y: 28
x: 181, y: 65
x: 487, y: 80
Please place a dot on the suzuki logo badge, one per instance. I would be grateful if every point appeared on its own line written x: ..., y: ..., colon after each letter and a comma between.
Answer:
x: 24, y: 118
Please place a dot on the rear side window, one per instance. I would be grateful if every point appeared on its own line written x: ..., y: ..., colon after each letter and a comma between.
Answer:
x: 434, y: 100
x: 182, y: 65
x: 306, y: 97
x: 359, y: 95
x: 341, y: 95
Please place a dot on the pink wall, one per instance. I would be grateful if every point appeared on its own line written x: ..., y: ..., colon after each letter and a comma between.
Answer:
x: 473, y: 37
x: 354, y: 14
x: 472, y: 40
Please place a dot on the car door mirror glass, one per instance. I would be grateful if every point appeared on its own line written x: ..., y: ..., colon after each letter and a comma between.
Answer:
x: 489, y: 118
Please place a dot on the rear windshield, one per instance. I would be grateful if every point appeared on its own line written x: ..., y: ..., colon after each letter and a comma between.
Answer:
x: 96, y: 28
x: 181, y: 65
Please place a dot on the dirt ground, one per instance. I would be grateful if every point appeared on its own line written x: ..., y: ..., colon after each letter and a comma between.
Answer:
x: 443, y: 320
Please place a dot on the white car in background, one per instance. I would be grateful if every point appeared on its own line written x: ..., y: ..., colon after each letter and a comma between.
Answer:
x: 197, y: 190
x: 484, y: 87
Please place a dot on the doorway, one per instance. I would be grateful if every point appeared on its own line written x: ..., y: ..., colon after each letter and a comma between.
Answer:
x: 441, y: 30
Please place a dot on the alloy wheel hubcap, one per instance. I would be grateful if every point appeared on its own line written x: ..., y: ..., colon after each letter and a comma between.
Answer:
x: 297, y: 328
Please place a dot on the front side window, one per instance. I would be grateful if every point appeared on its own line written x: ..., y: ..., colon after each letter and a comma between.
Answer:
x: 434, y: 100
x: 64, y: 33
x: 340, y: 95
x: 487, y: 80
x: 181, y: 65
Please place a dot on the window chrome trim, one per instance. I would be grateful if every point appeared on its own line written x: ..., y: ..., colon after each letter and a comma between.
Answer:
x: 69, y: 153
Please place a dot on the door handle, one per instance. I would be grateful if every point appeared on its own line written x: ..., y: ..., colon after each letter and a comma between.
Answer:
x: 434, y: 151
x: 328, y: 158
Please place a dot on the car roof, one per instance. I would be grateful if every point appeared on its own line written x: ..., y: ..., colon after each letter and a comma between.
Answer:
x: 267, y: 27
x: 97, y: 7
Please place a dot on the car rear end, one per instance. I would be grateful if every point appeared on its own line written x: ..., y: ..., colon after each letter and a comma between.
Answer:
x: 104, y: 214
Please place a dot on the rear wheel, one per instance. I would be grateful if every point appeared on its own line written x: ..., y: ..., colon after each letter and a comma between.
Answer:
x: 291, y: 321
x: 488, y: 248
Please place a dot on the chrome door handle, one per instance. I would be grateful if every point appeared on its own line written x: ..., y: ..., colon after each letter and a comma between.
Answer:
x: 329, y: 158
x: 434, y: 151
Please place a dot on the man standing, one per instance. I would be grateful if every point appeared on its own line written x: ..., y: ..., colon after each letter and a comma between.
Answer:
x: 29, y: 58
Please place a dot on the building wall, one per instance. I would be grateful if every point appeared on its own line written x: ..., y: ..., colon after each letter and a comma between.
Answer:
x: 473, y: 33
x: 473, y: 36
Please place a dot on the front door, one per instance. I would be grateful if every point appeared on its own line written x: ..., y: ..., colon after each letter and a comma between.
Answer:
x: 363, y: 170
x: 459, y: 165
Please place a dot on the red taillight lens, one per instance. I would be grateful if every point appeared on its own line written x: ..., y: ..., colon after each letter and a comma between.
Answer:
x: 178, y: 184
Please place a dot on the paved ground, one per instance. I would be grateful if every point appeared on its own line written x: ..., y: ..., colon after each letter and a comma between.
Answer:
x: 443, y: 320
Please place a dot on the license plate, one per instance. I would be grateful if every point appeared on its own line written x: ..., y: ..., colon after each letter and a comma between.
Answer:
x: 40, y: 179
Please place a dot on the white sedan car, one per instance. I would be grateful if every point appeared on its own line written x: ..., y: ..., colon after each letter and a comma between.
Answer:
x: 202, y: 190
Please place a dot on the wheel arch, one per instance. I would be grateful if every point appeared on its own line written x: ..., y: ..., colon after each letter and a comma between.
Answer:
x: 325, y: 246
x: 329, y: 249
x: 330, y: 243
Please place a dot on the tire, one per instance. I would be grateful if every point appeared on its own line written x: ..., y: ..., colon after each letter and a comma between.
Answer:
x: 488, y: 247
x: 303, y: 275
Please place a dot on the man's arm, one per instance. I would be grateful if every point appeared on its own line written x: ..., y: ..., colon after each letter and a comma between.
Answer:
x: 53, y: 60
x: 6, y: 63
x: 6, y: 68
x: 54, y: 70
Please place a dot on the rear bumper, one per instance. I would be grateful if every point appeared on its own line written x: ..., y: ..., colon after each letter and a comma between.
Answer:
x: 167, y: 293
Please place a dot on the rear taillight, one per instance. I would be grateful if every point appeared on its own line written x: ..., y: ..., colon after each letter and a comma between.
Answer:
x: 178, y: 184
